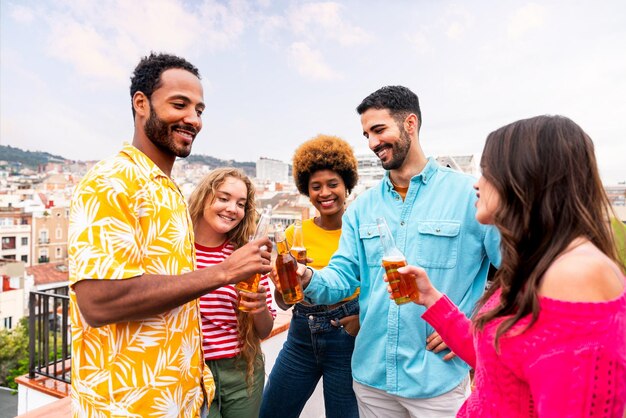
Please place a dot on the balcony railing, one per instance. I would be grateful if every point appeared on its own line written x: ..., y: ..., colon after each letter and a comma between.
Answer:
x: 50, y: 340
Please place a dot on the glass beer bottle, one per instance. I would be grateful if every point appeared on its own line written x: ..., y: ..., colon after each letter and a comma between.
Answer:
x: 298, y: 250
x: 403, y: 287
x: 251, y: 285
x: 290, y: 286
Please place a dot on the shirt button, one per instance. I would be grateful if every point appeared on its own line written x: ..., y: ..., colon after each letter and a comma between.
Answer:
x: 311, y: 317
x: 402, y: 223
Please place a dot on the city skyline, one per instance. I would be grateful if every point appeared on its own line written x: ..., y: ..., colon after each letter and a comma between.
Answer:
x: 276, y: 73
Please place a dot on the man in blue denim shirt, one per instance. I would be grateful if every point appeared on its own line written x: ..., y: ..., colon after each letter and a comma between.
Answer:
x: 430, y: 210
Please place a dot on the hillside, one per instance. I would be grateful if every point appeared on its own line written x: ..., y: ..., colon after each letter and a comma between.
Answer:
x: 23, y: 158
x: 32, y: 159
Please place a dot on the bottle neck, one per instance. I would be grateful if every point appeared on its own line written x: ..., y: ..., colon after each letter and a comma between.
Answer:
x: 282, y: 247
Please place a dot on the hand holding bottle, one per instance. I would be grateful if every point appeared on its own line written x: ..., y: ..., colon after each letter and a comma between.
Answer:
x: 427, y: 293
x: 251, y: 284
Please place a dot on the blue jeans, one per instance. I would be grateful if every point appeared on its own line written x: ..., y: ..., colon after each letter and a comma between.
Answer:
x: 314, y: 348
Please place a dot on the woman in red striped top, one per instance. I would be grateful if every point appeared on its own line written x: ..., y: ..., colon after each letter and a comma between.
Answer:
x: 223, y: 214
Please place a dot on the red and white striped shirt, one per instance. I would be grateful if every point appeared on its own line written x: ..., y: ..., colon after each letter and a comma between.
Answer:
x: 218, y: 309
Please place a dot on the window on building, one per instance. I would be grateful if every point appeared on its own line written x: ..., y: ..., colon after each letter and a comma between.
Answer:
x: 25, y: 259
x: 58, y: 233
x: 8, y: 243
x: 43, y: 237
x: 24, y: 241
x: 8, y: 322
x: 43, y: 255
x: 58, y: 252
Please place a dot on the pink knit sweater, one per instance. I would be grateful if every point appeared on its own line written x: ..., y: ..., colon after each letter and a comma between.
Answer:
x: 570, y: 363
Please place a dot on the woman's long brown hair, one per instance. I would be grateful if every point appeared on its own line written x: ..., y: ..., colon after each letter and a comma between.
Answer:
x: 545, y: 172
x: 204, y: 194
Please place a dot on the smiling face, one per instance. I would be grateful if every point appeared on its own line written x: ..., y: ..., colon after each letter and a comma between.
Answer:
x: 175, y: 110
x: 224, y: 211
x: 388, y: 139
x: 488, y: 201
x: 327, y: 192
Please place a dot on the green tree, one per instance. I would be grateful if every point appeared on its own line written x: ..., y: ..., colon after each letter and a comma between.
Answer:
x: 619, y: 231
x: 13, y: 353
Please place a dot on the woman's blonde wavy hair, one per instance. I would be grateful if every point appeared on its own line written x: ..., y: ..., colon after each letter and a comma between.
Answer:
x: 203, y: 195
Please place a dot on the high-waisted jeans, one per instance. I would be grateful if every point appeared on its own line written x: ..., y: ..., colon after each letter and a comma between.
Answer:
x: 314, y: 348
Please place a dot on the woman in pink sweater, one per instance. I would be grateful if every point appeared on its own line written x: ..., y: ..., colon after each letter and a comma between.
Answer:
x: 548, y: 338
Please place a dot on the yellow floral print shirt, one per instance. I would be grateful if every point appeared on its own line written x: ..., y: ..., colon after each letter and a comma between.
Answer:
x: 128, y: 218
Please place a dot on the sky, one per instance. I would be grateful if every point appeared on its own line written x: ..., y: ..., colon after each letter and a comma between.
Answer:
x: 276, y: 73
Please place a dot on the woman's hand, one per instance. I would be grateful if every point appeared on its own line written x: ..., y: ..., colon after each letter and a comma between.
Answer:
x: 255, y: 302
x: 349, y: 323
x: 428, y: 295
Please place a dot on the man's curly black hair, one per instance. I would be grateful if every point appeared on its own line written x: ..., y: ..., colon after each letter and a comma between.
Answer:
x: 324, y: 152
x: 147, y: 75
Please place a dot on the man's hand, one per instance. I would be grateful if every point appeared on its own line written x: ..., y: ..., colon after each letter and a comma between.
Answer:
x: 248, y: 260
x: 435, y: 344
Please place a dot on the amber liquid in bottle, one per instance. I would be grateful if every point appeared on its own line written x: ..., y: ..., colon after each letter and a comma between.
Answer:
x: 298, y: 250
x: 251, y: 285
x: 286, y: 267
x: 403, y: 287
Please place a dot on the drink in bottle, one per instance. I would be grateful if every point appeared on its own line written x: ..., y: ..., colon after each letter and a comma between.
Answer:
x: 251, y: 285
x: 286, y: 267
x: 403, y: 287
x: 298, y: 250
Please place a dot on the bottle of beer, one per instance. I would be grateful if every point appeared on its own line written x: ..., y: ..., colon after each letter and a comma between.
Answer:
x: 251, y: 285
x: 298, y: 250
x: 403, y: 287
x: 286, y: 267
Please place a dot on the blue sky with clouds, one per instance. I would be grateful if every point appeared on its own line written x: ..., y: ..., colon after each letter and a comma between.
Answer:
x: 276, y: 73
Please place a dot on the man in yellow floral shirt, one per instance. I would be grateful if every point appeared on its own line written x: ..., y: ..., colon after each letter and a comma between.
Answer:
x: 136, y: 337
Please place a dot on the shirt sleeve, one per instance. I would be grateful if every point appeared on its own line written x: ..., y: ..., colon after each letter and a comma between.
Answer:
x: 453, y: 327
x: 340, y: 279
x: 104, y: 231
x: 492, y: 246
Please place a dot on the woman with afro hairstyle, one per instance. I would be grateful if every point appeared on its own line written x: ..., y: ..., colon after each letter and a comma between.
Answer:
x: 222, y: 210
x: 321, y: 337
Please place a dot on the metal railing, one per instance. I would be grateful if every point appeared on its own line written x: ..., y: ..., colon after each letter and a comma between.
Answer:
x: 49, y: 334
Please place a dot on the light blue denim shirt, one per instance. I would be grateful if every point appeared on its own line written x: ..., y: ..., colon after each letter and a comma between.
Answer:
x: 436, y: 229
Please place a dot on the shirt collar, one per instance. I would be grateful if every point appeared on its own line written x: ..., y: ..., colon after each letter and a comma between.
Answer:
x: 424, y: 176
x: 141, y: 160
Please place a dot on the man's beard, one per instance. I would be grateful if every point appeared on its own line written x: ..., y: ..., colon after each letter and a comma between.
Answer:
x: 399, y: 151
x: 160, y: 133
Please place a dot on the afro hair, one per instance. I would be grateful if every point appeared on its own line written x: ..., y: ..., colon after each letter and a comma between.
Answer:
x: 324, y: 152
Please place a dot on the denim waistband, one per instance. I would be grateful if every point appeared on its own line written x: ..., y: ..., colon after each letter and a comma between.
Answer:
x: 351, y: 307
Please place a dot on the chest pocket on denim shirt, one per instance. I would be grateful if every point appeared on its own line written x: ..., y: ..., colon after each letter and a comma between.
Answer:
x: 438, y: 243
x: 370, y: 237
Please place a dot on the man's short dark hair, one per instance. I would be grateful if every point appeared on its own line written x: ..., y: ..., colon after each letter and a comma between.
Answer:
x: 398, y: 100
x: 147, y: 75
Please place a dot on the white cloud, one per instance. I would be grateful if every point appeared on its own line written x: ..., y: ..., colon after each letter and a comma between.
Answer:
x: 22, y: 14
x: 421, y: 42
x: 102, y: 40
x: 309, y: 62
x: 323, y: 20
x: 83, y: 47
x: 457, y: 21
x: 269, y: 27
x: 526, y: 18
